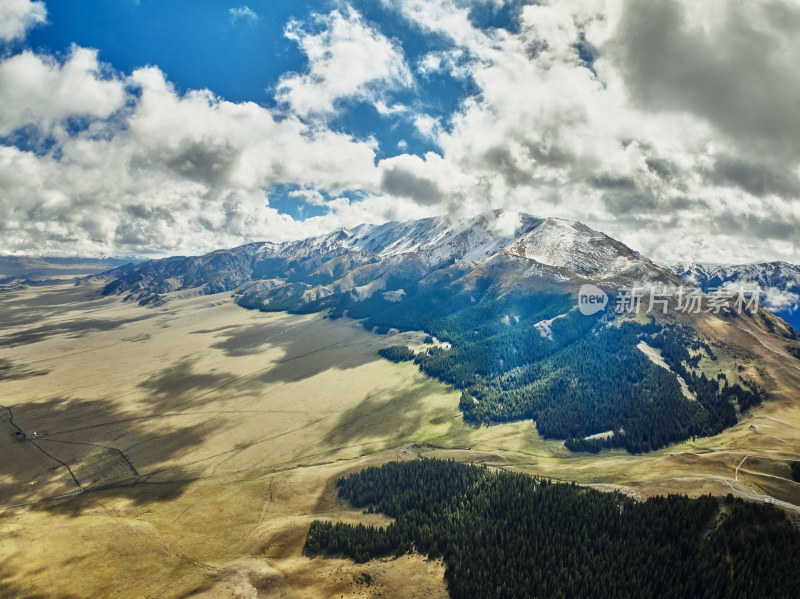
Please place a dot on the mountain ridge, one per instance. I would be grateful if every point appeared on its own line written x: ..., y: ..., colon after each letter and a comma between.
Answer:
x: 564, y: 249
x: 778, y: 282
x: 500, y: 289
x: 769, y: 276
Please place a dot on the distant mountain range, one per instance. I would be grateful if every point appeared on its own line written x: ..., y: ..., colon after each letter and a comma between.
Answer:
x: 22, y: 271
x: 50, y: 265
x: 514, y: 249
x: 501, y: 289
x: 779, y: 283
x: 511, y: 248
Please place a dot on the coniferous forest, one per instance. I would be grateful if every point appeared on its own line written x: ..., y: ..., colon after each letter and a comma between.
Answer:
x: 534, y: 356
x: 510, y: 535
x: 396, y: 353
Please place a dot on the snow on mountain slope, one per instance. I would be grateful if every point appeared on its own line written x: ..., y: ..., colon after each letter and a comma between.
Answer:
x: 511, y: 246
x: 439, y: 241
x: 779, y: 282
x: 574, y: 246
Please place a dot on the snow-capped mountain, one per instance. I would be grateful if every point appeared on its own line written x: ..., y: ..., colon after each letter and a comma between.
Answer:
x: 511, y: 245
x: 779, y: 282
x: 439, y: 241
x: 405, y: 274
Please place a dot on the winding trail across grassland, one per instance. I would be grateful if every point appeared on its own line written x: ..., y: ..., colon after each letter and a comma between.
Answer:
x: 763, y: 498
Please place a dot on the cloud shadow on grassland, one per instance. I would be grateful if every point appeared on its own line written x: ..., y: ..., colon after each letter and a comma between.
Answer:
x: 140, y: 493
x: 74, y: 328
x: 310, y: 362
x: 244, y: 340
x: 176, y: 383
x: 11, y: 589
x: 391, y: 414
x: 20, y: 308
x: 85, y: 434
x: 12, y: 372
x: 306, y: 351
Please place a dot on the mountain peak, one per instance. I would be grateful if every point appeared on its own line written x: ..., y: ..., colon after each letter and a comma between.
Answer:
x: 531, y: 247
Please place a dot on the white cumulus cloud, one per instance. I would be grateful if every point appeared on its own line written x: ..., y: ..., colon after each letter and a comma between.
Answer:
x: 170, y: 173
x: 347, y: 58
x: 18, y: 16
x: 39, y: 90
x: 670, y: 125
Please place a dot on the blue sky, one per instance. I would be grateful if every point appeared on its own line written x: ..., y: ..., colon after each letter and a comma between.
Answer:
x: 241, y: 55
x: 197, y: 44
x: 154, y: 128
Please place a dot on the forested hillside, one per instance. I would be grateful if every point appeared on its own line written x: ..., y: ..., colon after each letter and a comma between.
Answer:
x: 514, y: 536
x: 505, y: 303
x: 534, y: 356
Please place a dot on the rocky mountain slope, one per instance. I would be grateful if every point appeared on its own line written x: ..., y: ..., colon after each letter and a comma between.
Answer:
x: 523, y: 248
x: 500, y: 289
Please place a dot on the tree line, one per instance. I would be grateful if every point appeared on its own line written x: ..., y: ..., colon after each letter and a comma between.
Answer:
x: 534, y: 356
x: 507, y: 535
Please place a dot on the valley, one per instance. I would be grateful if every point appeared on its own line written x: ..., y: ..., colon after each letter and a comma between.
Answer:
x: 184, y: 449
x: 443, y: 299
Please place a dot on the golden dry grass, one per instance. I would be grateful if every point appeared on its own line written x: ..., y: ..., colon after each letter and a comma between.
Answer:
x: 205, y: 439
x: 202, y: 439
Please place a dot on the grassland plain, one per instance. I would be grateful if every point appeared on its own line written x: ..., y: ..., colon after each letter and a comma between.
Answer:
x: 184, y: 450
